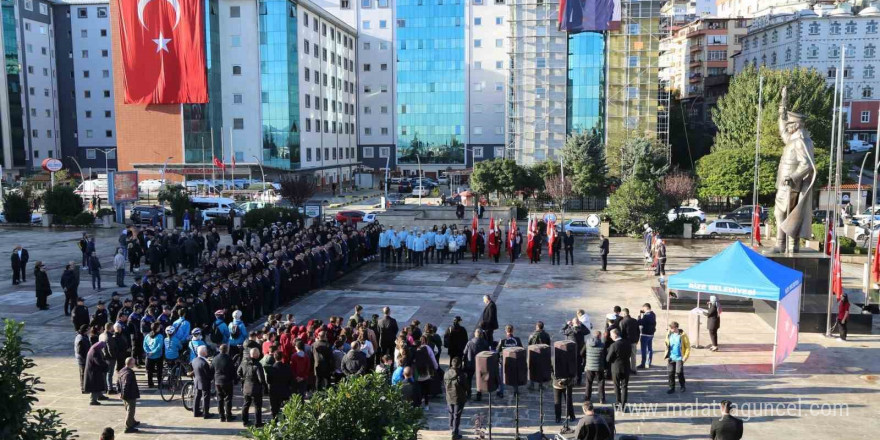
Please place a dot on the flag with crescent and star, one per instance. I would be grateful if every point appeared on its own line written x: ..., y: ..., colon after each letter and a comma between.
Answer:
x: 163, y: 51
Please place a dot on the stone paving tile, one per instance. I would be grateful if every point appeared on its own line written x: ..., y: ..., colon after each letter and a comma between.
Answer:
x: 820, y: 371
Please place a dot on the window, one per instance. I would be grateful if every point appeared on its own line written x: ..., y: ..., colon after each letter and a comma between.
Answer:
x: 80, y: 12
x: 850, y: 51
x: 44, y: 9
x: 868, y: 92
x: 106, y: 93
x: 308, y: 125
x: 851, y: 27
x: 238, y: 123
x: 775, y: 36
x: 84, y: 54
x: 868, y: 72
x: 866, y: 117
x: 384, y: 109
x: 317, y: 154
x: 714, y: 55
x: 368, y: 152
x: 788, y: 54
x: 478, y: 65
x: 721, y: 39
x: 478, y: 43
x: 383, y: 88
x: 235, y: 40
x: 814, y: 28
x: 477, y: 2
x: 236, y: 98
x: 633, y: 29
x: 813, y: 51
x: 366, y: 67
x: 84, y: 33
x: 307, y: 74
x: 105, y: 73
x: 306, y: 19
x: 384, y: 130
x: 788, y: 32
x: 499, y: 42
x: 235, y: 12
x: 103, y: 32
x: 384, y: 152
x: 368, y: 110
x: 478, y: 21
x: 236, y: 70
x: 478, y: 130
x: 108, y: 133
x: 91, y: 154
x: 105, y: 53
x: 835, y: 28
x: 102, y: 12
x: 86, y: 93
x: 773, y: 59
x: 90, y: 134
x: 478, y: 108
x: 872, y: 27
x: 368, y: 131
x: 499, y: 65
x: 383, y: 3
x: 107, y: 114
x: 383, y: 24
x: 499, y: 86
x: 870, y: 50
x: 633, y: 61
x: 365, y: 24
x: 366, y: 4
x: 834, y: 51
x: 499, y: 20
x: 478, y: 152
x: 366, y: 45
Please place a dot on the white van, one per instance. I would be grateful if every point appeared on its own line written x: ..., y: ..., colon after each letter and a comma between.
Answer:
x: 93, y: 187
x: 213, y: 207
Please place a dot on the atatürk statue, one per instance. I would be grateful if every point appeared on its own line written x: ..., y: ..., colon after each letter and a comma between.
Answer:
x: 794, y: 180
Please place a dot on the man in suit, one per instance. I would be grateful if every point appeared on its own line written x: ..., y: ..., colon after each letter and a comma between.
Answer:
x: 629, y: 331
x: 253, y: 380
x: 727, y: 427
x: 129, y: 392
x: 387, y: 332
x: 618, y: 358
x: 603, y: 251
x: 489, y: 319
x: 16, y: 266
x: 224, y: 375
x: 23, y: 261
x: 204, y: 373
x: 280, y: 379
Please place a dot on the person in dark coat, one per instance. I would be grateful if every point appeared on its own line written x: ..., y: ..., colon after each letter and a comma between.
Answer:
x: 456, y: 387
x: 727, y: 427
x: 713, y: 321
x: 475, y: 346
x: 576, y: 332
x: 70, y: 285
x: 410, y: 390
x: 618, y: 358
x: 629, y: 331
x: 224, y: 376
x: 81, y: 352
x: 603, y: 251
x: 96, y: 373
x: 593, y: 426
x: 280, y: 379
x: 387, y: 332
x: 43, y: 288
x: 203, y: 373
x: 16, y: 267
x: 489, y: 319
x: 594, y: 349
x: 129, y: 392
x: 80, y: 315
x: 568, y: 244
x: 21, y: 255
x: 324, y: 361
x: 455, y: 339
x: 253, y: 384
x: 354, y: 363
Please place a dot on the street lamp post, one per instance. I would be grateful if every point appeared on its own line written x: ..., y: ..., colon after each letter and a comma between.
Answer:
x: 420, y: 178
x: 859, y: 197
x: 387, y: 170
x: 81, y: 177
x: 164, y: 166
x: 263, y: 173
x: 106, y: 154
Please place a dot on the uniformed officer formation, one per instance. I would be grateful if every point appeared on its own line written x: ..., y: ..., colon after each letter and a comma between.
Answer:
x: 168, y: 316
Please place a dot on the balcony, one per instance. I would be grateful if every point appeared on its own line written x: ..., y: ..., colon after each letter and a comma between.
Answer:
x: 695, y: 78
x: 716, y: 80
x: 696, y: 62
x: 697, y: 47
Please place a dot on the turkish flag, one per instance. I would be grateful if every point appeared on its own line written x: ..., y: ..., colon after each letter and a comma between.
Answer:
x: 756, y: 224
x: 493, y: 247
x: 828, y: 239
x: 836, y: 278
x: 551, y: 236
x: 474, y: 226
x: 219, y: 164
x: 875, y: 265
x: 163, y: 51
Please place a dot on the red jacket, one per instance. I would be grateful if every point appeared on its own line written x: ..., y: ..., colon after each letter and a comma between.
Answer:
x: 300, y: 365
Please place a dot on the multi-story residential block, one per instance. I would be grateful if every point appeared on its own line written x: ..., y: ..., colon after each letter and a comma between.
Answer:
x: 29, y: 127
x: 757, y: 8
x: 85, y: 86
x: 698, y: 63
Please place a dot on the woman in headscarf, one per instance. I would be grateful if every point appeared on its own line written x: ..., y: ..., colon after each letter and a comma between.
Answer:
x: 96, y: 373
x: 713, y: 321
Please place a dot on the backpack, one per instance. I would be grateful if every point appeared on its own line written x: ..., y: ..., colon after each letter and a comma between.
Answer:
x: 216, y: 334
x: 234, y: 332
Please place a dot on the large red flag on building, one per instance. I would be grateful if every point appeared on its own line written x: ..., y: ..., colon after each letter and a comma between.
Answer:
x: 551, y: 236
x: 493, y: 247
x: 836, y: 278
x: 163, y: 51
x: 474, y: 225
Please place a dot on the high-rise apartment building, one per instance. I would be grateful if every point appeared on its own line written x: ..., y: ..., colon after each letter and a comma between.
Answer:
x: 757, y: 8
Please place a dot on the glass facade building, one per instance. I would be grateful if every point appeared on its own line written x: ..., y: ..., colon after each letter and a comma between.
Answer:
x: 279, y: 83
x: 586, y: 84
x: 431, y: 81
x: 200, y: 145
x: 12, y: 69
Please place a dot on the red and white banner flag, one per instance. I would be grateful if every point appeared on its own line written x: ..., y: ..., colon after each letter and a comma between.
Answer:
x: 219, y: 164
x: 474, y: 226
x: 163, y: 51
x: 756, y: 224
x: 493, y: 247
x: 836, y: 278
x: 530, y: 238
x: 551, y: 236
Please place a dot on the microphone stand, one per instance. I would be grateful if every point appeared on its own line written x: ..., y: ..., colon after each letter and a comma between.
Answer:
x: 566, y: 429
x: 516, y: 413
x: 490, y: 415
x: 541, y: 404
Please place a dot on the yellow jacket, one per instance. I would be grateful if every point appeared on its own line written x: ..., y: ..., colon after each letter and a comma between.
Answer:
x: 685, y: 346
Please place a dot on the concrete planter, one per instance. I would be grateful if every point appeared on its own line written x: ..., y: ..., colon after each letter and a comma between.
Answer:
x: 107, y: 221
x: 171, y: 222
x: 47, y: 220
x: 687, y: 230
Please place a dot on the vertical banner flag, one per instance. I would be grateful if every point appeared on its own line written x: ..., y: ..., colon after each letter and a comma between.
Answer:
x: 493, y: 247
x: 511, y: 235
x: 875, y: 265
x: 828, y: 238
x: 551, y: 236
x: 836, y: 279
x: 576, y: 16
x: 530, y: 241
x: 163, y: 51
x: 474, y: 226
x: 756, y: 224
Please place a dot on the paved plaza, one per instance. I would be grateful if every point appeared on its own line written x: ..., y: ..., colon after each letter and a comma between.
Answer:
x: 826, y: 389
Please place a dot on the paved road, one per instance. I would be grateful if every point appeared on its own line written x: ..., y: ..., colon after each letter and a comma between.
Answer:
x: 820, y: 372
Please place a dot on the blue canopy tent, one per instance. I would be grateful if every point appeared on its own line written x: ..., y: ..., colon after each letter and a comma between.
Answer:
x: 740, y: 271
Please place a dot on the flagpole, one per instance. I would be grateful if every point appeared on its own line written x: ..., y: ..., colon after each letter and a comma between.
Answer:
x: 873, y: 203
x: 757, y: 153
x: 204, y: 176
x: 213, y: 169
x: 232, y: 156
x: 838, y: 120
x: 562, y: 182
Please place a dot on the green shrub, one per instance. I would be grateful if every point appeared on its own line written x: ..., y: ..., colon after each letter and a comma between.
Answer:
x: 62, y: 203
x: 676, y: 227
x: 358, y: 408
x: 178, y: 199
x: 260, y: 217
x: 18, y: 417
x: 522, y: 211
x: 16, y: 209
x: 105, y: 211
x: 847, y: 245
x: 81, y: 219
x: 637, y: 202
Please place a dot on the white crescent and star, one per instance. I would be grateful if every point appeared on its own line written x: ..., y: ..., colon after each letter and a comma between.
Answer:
x: 161, y: 42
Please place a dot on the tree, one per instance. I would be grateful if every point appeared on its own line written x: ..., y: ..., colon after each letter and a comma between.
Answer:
x: 585, y: 161
x: 644, y: 159
x: 736, y: 114
x: 18, y: 418
x: 177, y: 198
x: 677, y: 188
x: 62, y: 203
x: 358, y: 408
x: 635, y: 203
x: 16, y: 208
x: 505, y: 177
x: 558, y: 189
x: 298, y: 190
x: 484, y: 179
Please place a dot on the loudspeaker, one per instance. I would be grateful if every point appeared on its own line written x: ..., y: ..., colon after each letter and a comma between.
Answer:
x: 516, y: 370
x: 565, y: 359
x: 540, y: 363
x: 487, y: 371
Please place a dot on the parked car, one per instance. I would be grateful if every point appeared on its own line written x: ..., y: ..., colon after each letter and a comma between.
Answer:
x: 858, y: 146
x: 142, y: 215
x: 743, y: 215
x: 35, y: 218
x: 426, y: 182
x: 862, y: 234
x: 723, y: 227
x: 421, y: 191
x: 396, y: 199
x: 865, y: 216
x: 819, y: 216
x: 580, y: 226
x: 443, y: 180
x: 686, y: 212
x: 216, y: 207
x: 150, y: 185
x: 371, y: 217
x: 404, y: 186
x: 347, y: 216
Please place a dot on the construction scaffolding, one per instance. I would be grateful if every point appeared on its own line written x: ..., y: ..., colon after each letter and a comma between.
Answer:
x: 637, y: 103
x: 536, y: 110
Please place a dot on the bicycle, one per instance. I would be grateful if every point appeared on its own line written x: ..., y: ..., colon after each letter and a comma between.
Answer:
x: 171, y: 382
